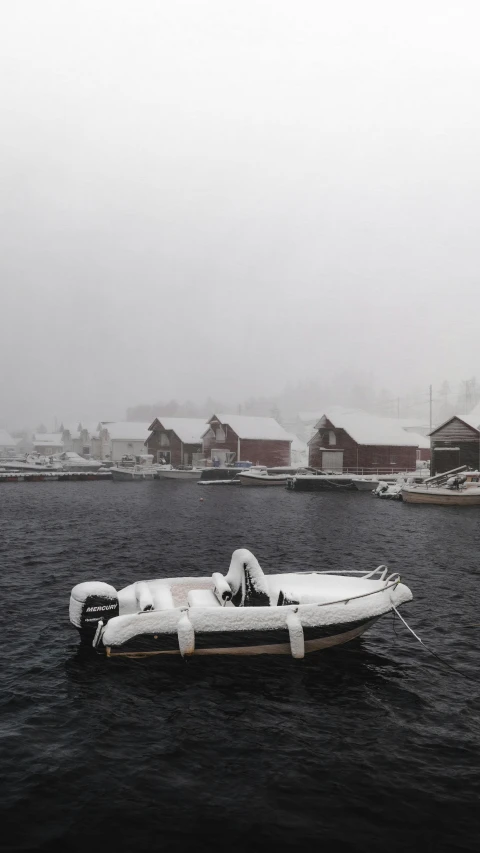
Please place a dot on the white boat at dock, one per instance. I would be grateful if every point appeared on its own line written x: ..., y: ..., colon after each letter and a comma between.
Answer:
x: 458, y: 487
x: 244, y: 612
x: 365, y: 484
x: 258, y: 475
x: 179, y: 473
x: 134, y: 469
x: 137, y: 473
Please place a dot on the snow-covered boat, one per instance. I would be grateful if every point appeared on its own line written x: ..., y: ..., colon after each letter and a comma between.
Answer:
x: 258, y: 476
x: 391, y: 491
x: 365, y: 484
x: 135, y: 473
x: 32, y: 462
x: 458, y: 487
x: 243, y: 613
x: 71, y: 461
x: 180, y: 473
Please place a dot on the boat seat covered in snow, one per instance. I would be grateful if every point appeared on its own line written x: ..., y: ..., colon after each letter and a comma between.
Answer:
x: 246, y: 580
x: 163, y: 598
x: 202, y: 598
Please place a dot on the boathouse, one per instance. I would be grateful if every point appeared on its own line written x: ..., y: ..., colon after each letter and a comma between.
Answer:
x: 122, y: 438
x: 176, y: 441
x: 456, y: 442
x: 8, y: 444
x: 81, y: 439
x: 48, y: 443
x: 242, y: 438
x: 353, y: 441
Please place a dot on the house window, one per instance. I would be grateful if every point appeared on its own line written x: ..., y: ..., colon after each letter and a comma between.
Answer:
x: 392, y: 462
x: 220, y: 434
x: 164, y: 442
x: 332, y: 438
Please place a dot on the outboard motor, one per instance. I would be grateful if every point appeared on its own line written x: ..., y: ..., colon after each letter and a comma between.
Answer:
x: 89, y: 603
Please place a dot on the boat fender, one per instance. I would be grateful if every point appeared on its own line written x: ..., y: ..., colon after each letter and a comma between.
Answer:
x: 222, y: 588
x: 144, y: 596
x: 89, y: 603
x: 295, y: 630
x: 186, y: 635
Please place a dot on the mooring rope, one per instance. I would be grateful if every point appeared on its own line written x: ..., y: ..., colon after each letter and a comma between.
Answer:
x: 431, y: 652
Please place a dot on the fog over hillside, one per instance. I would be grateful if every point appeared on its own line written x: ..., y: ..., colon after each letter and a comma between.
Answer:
x: 268, y: 204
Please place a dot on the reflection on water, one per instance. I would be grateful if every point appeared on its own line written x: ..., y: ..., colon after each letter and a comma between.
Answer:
x: 370, y: 746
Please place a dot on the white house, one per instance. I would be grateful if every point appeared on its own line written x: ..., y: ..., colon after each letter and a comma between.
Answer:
x: 122, y: 438
x: 82, y: 439
x: 8, y: 444
x: 48, y: 443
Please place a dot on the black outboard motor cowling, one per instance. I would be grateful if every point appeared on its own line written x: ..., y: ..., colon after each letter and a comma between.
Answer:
x: 89, y: 603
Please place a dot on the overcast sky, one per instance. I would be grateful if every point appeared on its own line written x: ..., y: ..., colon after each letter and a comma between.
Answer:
x: 214, y: 197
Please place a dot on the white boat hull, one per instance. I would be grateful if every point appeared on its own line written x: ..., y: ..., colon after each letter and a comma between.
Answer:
x: 263, y: 480
x: 365, y: 485
x: 180, y: 475
x: 275, y: 649
x: 130, y: 475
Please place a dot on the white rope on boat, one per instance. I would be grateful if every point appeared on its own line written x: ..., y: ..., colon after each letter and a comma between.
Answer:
x: 430, y: 651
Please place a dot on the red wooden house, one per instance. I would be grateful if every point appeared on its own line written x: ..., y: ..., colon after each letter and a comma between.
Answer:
x: 176, y: 441
x: 354, y: 441
x: 240, y: 438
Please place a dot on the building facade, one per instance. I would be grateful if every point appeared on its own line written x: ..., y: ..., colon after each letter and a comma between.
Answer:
x: 176, y: 441
x: 454, y: 443
x: 122, y: 438
x: 47, y: 443
x: 356, y: 442
x: 240, y: 438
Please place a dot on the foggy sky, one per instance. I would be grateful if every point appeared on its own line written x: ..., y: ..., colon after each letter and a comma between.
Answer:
x: 207, y: 197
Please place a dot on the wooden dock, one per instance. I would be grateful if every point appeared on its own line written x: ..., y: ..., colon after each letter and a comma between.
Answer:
x: 48, y: 476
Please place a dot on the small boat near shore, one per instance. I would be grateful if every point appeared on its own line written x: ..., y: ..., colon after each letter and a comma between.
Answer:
x: 440, y: 496
x: 245, y: 612
x: 135, y: 473
x: 179, y: 473
x: 259, y: 476
x: 459, y: 487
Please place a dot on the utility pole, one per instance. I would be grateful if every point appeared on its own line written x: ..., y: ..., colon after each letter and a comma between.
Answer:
x: 398, y: 407
x: 430, y: 403
x: 467, y: 388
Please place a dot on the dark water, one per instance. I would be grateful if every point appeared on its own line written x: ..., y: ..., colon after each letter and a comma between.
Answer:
x: 369, y: 747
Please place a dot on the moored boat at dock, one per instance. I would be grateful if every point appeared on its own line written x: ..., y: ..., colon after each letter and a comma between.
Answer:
x: 179, y: 473
x: 259, y: 476
x: 458, y: 487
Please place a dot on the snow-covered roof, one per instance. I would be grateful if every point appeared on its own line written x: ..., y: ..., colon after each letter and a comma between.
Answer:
x: 310, y: 417
x: 420, y: 440
x: 188, y: 430
x: 473, y: 417
x: 91, y: 428
x: 6, y: 440
x: 48, y: 439
x: 297, y: 443
x: 369, y: 429
x: 262, y: 429
x: 470, y: 420
x: 126, y: 430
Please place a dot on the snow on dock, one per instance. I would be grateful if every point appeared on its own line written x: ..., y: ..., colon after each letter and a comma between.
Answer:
x: 42, y: 476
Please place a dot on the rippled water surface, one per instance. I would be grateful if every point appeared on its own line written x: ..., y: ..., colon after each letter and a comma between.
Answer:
x: 372, y: 746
